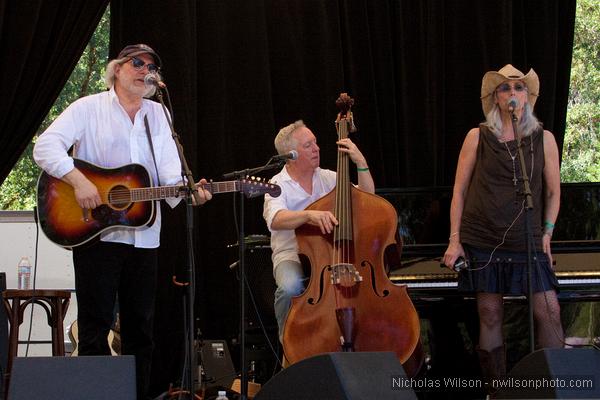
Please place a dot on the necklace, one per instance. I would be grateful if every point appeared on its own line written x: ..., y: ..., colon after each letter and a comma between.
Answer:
x: 515, y: 180
x: 513, y: 164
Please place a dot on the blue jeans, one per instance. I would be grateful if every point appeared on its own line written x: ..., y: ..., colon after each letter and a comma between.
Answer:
x: 289, y: 278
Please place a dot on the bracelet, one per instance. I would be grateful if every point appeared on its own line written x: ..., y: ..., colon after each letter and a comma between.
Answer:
x: 362, y: 169
x: 548, y: 224
x: 453, y: 234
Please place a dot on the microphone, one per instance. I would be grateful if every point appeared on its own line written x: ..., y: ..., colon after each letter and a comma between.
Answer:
x: 512, y: 104
x: 291, y: 155
x: 153, y: 79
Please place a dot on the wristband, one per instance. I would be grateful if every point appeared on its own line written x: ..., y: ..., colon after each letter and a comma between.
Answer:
x: 362, y: 169
x: 548, y: 224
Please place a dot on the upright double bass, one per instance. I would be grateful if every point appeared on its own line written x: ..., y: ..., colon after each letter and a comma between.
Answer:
x: 350, y: 304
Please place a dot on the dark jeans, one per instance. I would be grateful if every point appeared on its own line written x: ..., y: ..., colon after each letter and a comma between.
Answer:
x: 103, y: 270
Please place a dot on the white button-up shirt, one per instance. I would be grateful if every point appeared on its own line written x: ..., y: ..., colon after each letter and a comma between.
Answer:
x: 102, y: 133
x: 293, y: 197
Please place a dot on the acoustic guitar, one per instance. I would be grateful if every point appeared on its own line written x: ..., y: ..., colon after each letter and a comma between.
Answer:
x: 113, y: 339
x: 127, y: 201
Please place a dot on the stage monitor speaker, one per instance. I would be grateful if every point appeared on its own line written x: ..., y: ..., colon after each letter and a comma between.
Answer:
x: 216, y: 363
x: 339, y: 376
x: 554, y: 374
x: 72, y: 378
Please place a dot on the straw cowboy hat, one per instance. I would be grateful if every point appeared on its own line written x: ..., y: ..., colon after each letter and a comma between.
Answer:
x: 493, y: 79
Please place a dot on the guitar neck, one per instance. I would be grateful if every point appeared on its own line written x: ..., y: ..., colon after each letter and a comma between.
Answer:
x: 155, y: 193
x: 222, y: 187
x: 164, y: 192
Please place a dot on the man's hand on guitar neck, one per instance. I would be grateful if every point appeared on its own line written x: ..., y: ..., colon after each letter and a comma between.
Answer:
x: 86, y: 193
x: 203, y: 194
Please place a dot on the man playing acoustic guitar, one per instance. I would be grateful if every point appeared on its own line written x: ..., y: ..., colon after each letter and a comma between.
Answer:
x: 108, y: 129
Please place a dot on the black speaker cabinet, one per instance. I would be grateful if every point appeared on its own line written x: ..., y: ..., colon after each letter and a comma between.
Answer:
x: 555, y: 374
x: 73, y: 378
x: 261, y: 285
x: 339, y: 376
x: 216, y: 363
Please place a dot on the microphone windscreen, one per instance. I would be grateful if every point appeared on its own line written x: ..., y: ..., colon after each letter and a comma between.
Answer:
x: 513, y: 103
x: 150, y: 79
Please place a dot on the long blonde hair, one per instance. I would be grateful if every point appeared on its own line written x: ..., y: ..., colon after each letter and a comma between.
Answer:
x: 527, y: 124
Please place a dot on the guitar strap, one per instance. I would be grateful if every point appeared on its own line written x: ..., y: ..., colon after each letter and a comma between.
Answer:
x: 153, y: 156
x: 151, y: 147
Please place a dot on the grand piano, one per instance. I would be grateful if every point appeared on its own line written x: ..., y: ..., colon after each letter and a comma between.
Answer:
x: 423, y: 225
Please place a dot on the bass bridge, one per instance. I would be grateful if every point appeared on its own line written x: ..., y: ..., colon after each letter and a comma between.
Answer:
x: 345, y: 275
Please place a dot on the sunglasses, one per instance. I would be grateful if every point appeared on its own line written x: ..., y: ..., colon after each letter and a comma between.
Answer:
x: 138, y: 64
x: 505, y: 87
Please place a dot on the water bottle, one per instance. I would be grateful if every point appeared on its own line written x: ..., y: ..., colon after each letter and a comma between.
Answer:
x: 222, y: 395
x: 24, y: 274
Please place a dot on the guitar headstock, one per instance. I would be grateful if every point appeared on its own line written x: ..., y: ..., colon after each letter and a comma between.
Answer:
x: 254, y: 187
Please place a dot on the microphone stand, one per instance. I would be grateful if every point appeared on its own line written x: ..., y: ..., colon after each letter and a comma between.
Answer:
x: 528, y: 232
x: 242, y: 265
x: 190, y: 270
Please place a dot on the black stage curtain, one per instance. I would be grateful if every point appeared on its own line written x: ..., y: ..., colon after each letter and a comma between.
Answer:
x: 40, y: 43
x: 239, y: 70
x: 414, y: 68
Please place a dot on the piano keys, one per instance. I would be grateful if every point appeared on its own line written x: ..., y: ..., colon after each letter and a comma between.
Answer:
x: 427, y: 280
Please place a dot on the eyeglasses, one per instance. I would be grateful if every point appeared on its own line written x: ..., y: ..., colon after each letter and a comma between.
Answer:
x: 506, y: 87
x: 138, y: 64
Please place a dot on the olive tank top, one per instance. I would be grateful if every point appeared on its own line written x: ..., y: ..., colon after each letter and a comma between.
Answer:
x: 494, y: 201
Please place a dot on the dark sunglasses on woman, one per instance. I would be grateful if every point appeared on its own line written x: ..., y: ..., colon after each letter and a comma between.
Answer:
x: 506, y: 87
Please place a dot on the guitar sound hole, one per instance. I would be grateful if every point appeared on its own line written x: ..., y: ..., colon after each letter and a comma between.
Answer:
x: 119, y: 197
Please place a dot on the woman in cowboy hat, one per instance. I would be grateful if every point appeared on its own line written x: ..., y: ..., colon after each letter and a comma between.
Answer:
x: 487, y: 214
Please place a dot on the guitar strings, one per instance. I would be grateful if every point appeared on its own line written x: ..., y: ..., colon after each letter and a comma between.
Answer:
x: 149, y: 193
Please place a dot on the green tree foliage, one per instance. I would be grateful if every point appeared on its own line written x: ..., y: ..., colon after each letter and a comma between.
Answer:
x: 18, y: 189
x: 581, y: 150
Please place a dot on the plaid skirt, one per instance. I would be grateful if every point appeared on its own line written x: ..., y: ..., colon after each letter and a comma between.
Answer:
x: 506, y: 273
